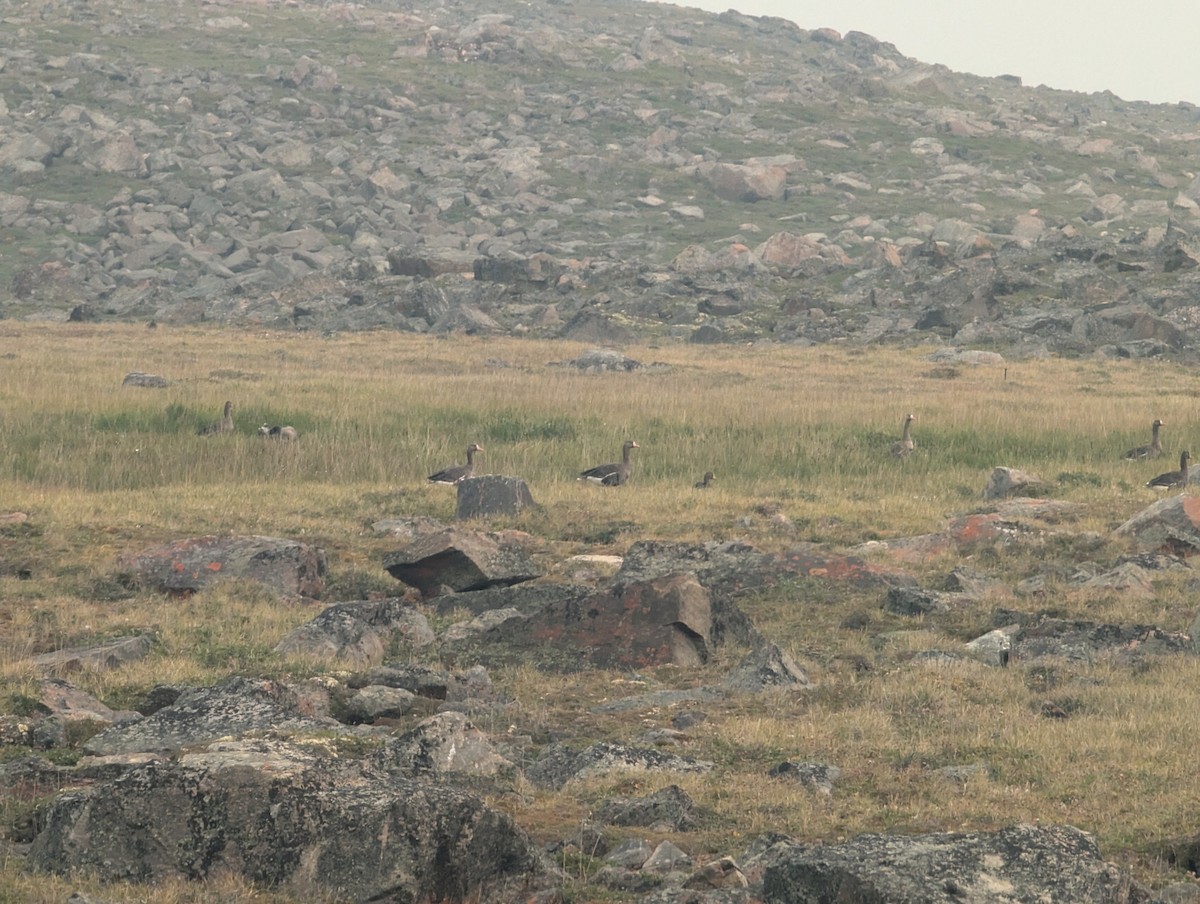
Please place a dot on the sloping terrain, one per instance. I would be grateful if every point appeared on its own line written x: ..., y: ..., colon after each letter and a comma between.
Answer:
x: 596, y: 169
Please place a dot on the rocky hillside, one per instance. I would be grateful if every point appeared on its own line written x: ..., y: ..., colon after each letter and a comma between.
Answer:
x: 595, y: 169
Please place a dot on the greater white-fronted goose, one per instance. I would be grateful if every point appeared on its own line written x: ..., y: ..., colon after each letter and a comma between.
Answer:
x: 284, y: 434
x: 615, y: 474
x: 1153, y: 449
x: 1173, y: 479
x: 706, y: 481
x: 451, y: 476
x: 224, y: 425
x: 904, y: 446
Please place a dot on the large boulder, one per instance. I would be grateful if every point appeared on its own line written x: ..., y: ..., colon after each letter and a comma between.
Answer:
x: 1086, y: 641
x: 358, y: 632
x: 285, y: 818
x: 746, y: 182
x: 668, y: 809
x: 1019, y: 863
x: 290, y: 568
x: 665, y: 620
x: 204, y: 714
x: 446, y: 744
x: 1169, y: 525
x: 457, y: 560
x: 492, y: 494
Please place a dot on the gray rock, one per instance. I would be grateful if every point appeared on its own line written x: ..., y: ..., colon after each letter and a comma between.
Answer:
x: 917, y: 601
x: 668, y: 620
x: 288, y: 567
x: 376, y: 701
x: 765, y: 667
x: 359, y: 632
x: 112, y: 654
x: 200, y: 715
x: 630, y: 854
x: 1004, y: 482
x: 669, y: 809
x: 460, y: 560
x: 599, y: 360
x: 491, y: 495
x: 666, y: 858
x: 557, y: 765
x: 818, y: 776
x: 429, y: 683
x: 1020, y: 863
x: 1171, y: 525
x: 146, y: 381
x: 281, y: 817
x: 447, y: 743
x: 1085, y: 641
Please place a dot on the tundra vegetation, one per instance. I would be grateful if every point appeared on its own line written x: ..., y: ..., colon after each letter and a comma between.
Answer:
x: 103, y: 469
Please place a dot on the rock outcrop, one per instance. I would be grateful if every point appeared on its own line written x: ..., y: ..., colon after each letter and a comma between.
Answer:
x: 283, y: 817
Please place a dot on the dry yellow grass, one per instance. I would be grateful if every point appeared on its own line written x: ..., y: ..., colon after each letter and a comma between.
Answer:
x: 104, y: 470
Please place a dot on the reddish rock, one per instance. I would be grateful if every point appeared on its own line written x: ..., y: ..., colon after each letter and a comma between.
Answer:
x: 738, y: 182
x: 664, y: 620
x: 788, y: 251
x: 981, y: 528
x: 667, y: 620
x: 812, y: 561
x: 290, y: 568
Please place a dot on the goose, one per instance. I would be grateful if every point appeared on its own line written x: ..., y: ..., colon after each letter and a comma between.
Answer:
x: 904, y: 446
x: 1173, y: 479
x: 1153, y: 450
x: 704, y: 484
x: 451, y: 476
x: 615, y: 474
x: 224, y: 425
x: 286, y: 434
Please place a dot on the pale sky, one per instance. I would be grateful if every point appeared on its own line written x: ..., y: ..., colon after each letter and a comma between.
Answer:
x: 1140, y: 50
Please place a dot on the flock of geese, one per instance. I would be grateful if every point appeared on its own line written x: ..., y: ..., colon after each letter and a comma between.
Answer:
x: 618, y: 473
x: 609, y: 475
x: 1178, y: 479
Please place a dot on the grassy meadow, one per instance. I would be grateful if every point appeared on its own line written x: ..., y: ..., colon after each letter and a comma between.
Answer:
x: 102, y: 469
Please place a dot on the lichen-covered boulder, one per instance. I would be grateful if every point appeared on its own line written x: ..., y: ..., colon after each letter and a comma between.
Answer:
x: 1018, y: 863
x: 358, y: 632
x: 290, y: 568
x: 285, y: 817
x: 491, y: 495
x: 203, y: 714
x: 1170, y: 525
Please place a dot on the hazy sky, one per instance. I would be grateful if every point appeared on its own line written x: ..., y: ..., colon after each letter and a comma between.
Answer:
x: 1141, y: 50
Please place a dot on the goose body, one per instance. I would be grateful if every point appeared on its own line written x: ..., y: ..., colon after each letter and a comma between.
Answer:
x: 1173, y: 479
x: 224, y: 425
x: 904, y: 446
x: 615, y: 474
x: 1152, y: 450
x: 459, y: 473
x: 706, y: 481
x: 285, y: 434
